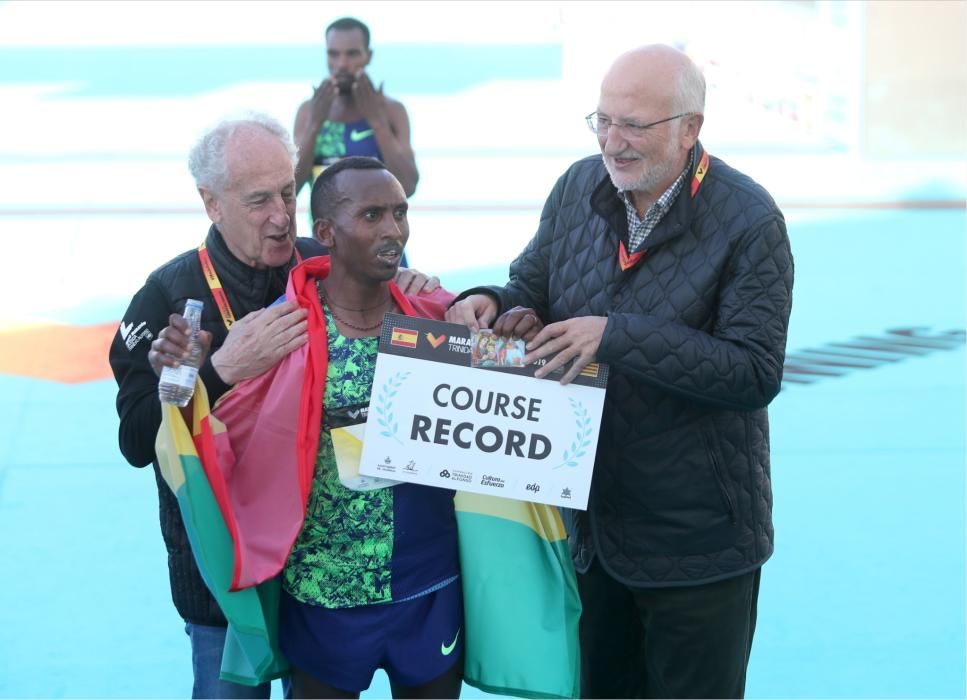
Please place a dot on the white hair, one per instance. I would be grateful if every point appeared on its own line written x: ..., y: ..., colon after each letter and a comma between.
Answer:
x: 690, y: 91
x: 206, y: 161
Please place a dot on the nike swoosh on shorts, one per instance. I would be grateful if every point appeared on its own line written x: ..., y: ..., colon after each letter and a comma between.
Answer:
x: 445, y: 649
x: 359, y: 135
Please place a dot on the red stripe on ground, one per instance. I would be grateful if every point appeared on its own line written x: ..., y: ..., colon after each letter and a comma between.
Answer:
x: 60, y: 353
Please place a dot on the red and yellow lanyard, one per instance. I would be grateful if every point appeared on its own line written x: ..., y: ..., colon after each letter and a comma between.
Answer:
x: 215, y: 284
x: 625, y: 261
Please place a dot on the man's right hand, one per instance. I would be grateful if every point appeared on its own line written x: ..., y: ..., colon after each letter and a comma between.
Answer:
x: 259, y: 340
x: 321, y: 103
x: 519, y: 322
x: 172, y: 345
x: 475, y: 312
x: 308, y: 121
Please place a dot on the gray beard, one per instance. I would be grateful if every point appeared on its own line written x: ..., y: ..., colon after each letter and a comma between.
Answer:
x: 647, y: 182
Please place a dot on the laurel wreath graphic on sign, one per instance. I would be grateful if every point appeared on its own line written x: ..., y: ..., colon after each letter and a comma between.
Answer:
x: 384, y: 405
x: 582, y: 437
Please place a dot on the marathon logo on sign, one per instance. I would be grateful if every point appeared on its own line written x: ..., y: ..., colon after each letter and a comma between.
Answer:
x: 404, y: 337
x: 454, y: 343
x: 459, y: 345
x: 435, y: 340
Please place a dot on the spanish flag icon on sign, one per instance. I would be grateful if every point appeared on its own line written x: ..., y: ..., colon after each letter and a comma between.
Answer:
x: 404, y: 337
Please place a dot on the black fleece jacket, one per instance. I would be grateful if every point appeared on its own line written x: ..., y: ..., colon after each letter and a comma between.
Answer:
x: 164, y: 293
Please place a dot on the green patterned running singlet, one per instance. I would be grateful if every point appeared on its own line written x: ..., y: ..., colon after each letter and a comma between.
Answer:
x: 342, y: 556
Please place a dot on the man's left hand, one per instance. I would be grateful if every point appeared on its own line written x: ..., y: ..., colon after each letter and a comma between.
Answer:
x: 371, y: 103
x: 576, y: 338
x: 412, y: 281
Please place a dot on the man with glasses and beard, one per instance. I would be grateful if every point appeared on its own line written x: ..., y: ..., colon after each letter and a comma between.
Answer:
x: 675, y: 269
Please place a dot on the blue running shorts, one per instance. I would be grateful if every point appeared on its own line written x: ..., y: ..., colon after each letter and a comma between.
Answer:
x: 414, y: 640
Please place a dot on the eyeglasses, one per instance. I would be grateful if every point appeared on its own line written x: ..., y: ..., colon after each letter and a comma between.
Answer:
x: 599, y: 124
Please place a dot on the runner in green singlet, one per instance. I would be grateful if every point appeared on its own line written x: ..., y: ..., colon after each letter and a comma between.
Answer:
x: 372, y: 580
x: 348, y: 116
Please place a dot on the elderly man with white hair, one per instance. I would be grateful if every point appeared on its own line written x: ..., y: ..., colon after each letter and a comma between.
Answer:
x: 244, y: 172
x: 675, y: 269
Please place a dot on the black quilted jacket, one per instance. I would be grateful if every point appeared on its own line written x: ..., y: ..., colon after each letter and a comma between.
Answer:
x: 695, y: 339
x: 165, y: 292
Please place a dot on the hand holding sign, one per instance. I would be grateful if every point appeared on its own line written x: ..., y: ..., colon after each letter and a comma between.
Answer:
x: 576, y: 338
x: 519, y: 322
x: 475, y: 312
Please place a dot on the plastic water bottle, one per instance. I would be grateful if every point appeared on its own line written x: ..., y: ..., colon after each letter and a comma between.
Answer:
x: 178, y: 383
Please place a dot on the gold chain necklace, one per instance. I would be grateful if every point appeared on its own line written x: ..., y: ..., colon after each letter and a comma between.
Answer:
x: 332, y: 311
x: 353, y: 325
x: 346, y: 308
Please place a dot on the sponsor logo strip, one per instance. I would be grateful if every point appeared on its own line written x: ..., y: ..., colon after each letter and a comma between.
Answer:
x: 450, y: 343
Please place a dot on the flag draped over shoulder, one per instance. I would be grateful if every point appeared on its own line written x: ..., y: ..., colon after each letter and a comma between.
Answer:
x: 251, y: 654
x: 261, y: 466
x: 242, y: 477
x: 520, y: 598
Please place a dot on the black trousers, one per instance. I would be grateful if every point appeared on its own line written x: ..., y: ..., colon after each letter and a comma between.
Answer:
x: 682, y: 642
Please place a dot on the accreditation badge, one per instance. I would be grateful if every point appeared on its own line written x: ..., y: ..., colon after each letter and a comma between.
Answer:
x: 347, y: 428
